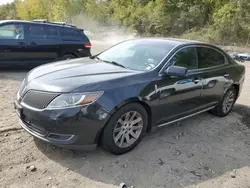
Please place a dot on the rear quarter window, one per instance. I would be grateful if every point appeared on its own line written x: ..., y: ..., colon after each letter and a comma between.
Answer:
x: 69, y: 34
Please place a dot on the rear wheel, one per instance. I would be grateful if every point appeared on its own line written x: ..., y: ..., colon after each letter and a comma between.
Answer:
x: 226, y: 104
x: 68, y: 56
x: 125, y: 129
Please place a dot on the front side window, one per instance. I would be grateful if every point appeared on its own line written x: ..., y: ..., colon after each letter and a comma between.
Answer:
x: 208, y: 57
x: 12, y: 31
x: 137, y: 55
x: 186, y: 57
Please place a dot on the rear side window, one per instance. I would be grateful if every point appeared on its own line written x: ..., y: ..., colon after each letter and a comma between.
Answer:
x: 50, y: 32
x: 42, y: 32
x: 208, y: 57
x: 12, y: 31
x: 70, y: 34
x: 186, y: 57
x: 36, y: 32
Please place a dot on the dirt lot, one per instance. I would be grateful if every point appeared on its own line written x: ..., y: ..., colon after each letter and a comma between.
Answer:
x: 200, y: 152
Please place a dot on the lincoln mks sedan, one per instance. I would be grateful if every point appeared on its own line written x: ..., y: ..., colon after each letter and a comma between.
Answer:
x: 113, y: 98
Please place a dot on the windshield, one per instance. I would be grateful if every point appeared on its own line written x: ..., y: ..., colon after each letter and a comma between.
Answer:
x: 137, y: 54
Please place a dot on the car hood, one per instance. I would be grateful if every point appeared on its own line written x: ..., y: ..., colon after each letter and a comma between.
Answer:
x: 65, y: 76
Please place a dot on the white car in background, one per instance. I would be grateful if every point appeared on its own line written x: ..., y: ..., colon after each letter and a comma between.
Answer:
x: 245, y: 56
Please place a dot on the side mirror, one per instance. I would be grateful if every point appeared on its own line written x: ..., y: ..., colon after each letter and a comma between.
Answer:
x: 176, y: 71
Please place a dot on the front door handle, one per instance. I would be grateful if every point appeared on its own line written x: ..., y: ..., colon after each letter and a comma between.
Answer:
x: 196, y: 80
x: 226, y: 75
x: 21, y: 44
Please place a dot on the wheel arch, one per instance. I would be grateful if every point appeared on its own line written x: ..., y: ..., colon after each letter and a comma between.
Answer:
x: 126, y: 102
x: 237, y: 88
x: 136, y: 100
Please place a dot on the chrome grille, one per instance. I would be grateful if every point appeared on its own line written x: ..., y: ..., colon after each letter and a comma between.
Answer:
x: 37, y: 99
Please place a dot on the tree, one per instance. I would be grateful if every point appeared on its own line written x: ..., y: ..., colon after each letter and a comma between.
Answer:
x: 34, y: 9
x: 8, y: 11
x: 209, y: 20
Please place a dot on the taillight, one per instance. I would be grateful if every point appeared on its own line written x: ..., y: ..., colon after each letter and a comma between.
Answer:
x: 87, y: 45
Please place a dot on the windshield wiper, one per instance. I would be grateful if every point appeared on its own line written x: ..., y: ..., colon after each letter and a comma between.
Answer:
x: 115, y: 63
x: 92, y: 57
x: 111, y: 62
x: 98, y: 58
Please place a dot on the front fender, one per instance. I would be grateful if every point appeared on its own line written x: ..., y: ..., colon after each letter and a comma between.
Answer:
x: 126, y: 101
x: 112, y: 100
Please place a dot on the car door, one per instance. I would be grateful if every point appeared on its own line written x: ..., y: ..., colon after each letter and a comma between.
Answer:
x: 180, y: 96
x: 216, y: 74
x: 12, y: 44
x: 43, y: 43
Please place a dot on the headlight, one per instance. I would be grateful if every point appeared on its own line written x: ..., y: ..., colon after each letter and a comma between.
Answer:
x: 74, y: 99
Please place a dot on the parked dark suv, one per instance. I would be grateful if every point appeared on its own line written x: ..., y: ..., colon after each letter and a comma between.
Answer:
x: 39, y: 41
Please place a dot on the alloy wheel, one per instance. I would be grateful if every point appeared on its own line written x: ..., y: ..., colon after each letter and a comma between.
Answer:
x: 228, y: 102
x: 128, y: 129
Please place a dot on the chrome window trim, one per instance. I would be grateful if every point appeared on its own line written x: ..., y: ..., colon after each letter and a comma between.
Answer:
x: 194, y: 46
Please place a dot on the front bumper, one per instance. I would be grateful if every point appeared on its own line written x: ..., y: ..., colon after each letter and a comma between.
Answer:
x: 75, y: 128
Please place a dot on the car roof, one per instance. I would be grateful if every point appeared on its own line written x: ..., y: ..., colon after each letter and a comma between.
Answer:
x: 171, y: 41
x: 174, y: 42
x: 35, y: 22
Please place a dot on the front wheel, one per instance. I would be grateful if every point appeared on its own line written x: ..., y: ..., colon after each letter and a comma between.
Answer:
x: 226, y: 104
x: 125, y: 129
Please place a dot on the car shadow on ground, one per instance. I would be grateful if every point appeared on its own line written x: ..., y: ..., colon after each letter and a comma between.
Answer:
x: 244, y: 111
x: 182, y: 154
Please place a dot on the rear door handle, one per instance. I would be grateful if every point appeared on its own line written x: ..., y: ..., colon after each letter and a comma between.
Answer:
x: 33, y: 44
x: 226, y: 75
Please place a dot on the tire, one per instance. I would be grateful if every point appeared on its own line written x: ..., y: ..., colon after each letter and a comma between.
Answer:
x: 219, y: 110
x: 118, y: 129
x: 68, y: 56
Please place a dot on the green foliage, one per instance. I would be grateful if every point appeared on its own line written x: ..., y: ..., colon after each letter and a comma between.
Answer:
x: 98, y: 11
x: 215, y: 21
x: 8, y: 11
x: 33, y: 9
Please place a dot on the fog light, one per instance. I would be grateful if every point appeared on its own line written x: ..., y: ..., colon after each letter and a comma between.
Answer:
x: 60, y: 137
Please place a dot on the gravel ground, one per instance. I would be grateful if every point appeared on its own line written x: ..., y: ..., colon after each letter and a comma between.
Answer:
x: 203, y: 151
